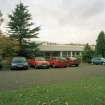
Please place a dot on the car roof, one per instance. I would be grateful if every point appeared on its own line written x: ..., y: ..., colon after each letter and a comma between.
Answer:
x: 98, y: 58
x: 19, y: 58
x: 40, y: 58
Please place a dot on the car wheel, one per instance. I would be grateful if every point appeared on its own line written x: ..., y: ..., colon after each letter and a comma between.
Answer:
x: 77, y: 65
x: 1, y: 67
x: 103, y: 63
x: 51, y: 66
x: 11, y: 68
x: 54, y: 66
x: 65, y: 66
x: 26, y: 68
x: 70, y: 65
x: 92, y: 63
x: 47, y: 67
x: 36, y: 67
x: 29, y: 65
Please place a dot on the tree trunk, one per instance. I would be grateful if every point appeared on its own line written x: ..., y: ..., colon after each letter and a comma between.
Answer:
x: 20, y: 44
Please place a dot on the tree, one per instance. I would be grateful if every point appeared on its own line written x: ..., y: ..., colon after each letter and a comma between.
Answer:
x: 1, y: 18
x: 30, y: 51
x: 100, y: 45
x: 1, y: 21
x: 88, y: 53
x: 8, y: 46
x: 20, y: 25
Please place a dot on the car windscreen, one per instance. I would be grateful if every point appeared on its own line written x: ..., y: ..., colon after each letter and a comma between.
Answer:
x: 103, y: 59
x: 18, y: 60
x: 96, y: 58
x: 73, y: 58
x: 62, y: 58
x: 40, y: 58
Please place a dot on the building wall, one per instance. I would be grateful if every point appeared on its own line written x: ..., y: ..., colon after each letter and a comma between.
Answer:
x: 50, y: 54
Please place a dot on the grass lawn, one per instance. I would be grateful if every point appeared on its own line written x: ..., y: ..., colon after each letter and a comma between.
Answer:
x: 78, y: 92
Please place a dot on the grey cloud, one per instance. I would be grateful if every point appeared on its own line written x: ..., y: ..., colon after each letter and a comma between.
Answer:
x: 83, y: 6
x: 78, y: 11
x: 7, y: 5
x: 96, y: 8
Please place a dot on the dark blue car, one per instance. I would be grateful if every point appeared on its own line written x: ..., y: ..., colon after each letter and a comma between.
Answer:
x: 19, y: 63
x: 98, y: 61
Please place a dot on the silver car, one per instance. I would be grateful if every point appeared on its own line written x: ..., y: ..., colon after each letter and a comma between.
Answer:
x: 98, y: 61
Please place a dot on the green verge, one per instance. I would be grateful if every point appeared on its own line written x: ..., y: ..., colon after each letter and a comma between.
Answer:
x: 81, y: 92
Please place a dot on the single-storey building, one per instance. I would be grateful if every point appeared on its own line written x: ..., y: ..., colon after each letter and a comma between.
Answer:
x: 63, y: 50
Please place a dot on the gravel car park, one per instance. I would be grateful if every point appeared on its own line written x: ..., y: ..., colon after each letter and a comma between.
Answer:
x: 17, y: 79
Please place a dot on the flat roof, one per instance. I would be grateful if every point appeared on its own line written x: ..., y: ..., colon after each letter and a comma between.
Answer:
x: 61, y: 48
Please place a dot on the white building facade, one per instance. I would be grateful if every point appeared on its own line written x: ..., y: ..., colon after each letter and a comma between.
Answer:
x: 61, y: 50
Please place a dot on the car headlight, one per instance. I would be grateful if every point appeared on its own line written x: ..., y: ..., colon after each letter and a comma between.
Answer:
x: 13, y: 64
x: 26, y: 64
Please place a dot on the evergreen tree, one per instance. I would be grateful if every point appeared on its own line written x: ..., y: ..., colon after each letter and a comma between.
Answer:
x: 100, y: 45
x: 1, y: 20
x: 20, y: 25
x: 88, y: 53
x: 31, y: 51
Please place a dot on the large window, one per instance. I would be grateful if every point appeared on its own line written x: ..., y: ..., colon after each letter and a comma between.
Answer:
x: 73, y: 53
x: 56, y: 54
x: 69, y: 53
x: 77, y: 53
x: 64, y: 53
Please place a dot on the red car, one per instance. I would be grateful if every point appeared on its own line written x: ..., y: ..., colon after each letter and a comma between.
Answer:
x: 58, y: 62
x: 72, y: 61
x: 39, y: 62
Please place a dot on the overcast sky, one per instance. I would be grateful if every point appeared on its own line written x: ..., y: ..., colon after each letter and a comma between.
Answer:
x: 64, y: 21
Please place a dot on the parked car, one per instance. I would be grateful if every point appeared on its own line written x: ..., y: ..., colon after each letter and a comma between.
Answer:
x: 58, y: 62
x: 19, y: 63
x: 39, y: 62
x: 98, y: 60
x: 72, y: 61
